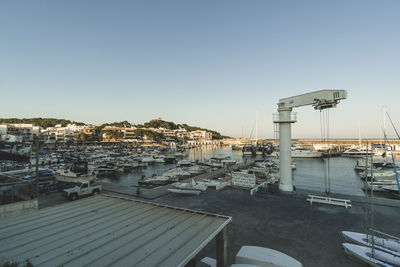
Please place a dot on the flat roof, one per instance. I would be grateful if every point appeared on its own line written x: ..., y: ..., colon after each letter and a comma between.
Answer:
x: 108, y: 230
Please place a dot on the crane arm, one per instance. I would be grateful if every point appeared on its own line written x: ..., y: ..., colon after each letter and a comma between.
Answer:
x: 319, y: 99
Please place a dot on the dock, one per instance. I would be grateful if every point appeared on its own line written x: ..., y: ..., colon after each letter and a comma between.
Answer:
x: 159, y: 191
x: 288, y: 223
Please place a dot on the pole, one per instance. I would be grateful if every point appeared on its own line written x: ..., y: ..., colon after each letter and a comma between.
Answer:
x: 397, y: 175
x: 384, y: 132
x: 372, y: 205
x: 256, y: 125
x: 285, y: 150
x: 222, y: 248
x: 37, y: 167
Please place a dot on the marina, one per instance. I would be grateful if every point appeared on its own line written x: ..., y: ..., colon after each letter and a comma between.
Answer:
x: 199, y: 134
x: 221, y: 179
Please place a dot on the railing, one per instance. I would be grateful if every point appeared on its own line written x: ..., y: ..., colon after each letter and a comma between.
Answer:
x: 382, y: 234
x: 276, y: 119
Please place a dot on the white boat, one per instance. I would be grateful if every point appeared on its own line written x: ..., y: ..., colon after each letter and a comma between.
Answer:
x: 108, y: 170
x: 178, y: 172
x: 248, y: 150
x: 158, y: 158
x: 196, y: 169
x: 385, y: 174
x: 354, y: 152
x: 260, y: 256
x: 215, y: 183
x: 273, y: 163
x: 244, y: 265
x: 220, y: 161
x: 363, y: 163
x: 148, y: 159
x: 376, y: 258
x: 191, y: 186
x: 184, y: 163
x: 299, y: 152
x: 366, y: 240
x: 77, y: 171
x: 156, y: 180
x: 183, y: 191
x: 394, y: 188
x: 384, y: 185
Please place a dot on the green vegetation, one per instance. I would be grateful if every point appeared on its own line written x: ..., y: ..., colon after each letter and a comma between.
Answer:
x: 172, y: 126
x: 157, y: 137
x: 117, y: 124
x: 113, y: 134
x: 81, y: 137
x: 215, y: 134
x: 160, y: 123
x: 42, y: 122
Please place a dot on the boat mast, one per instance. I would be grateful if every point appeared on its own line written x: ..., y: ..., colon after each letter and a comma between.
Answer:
x: 256, y: 125
x: 359, y: 135
x: 384, y: 129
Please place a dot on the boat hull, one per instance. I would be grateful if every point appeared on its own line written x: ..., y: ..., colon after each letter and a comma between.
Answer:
x: 380, y: 259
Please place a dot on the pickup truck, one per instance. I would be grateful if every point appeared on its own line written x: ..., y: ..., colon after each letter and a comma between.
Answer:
x: 83, y: 188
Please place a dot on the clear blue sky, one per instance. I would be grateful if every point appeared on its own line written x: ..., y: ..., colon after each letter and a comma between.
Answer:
x: 207, y: 63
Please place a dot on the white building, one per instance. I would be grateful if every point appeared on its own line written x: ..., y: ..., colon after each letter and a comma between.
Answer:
x: 57, y: 133
x: 200, y: 135
x: 75, y: 128
x: 23, y: 132
x: 11, y: 138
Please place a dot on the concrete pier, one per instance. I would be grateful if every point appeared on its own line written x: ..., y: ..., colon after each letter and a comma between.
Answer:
x: 287, y: 223
x: 161, y: 190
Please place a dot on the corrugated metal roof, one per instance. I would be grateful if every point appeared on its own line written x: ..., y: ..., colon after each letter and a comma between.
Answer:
x: 106, y: 230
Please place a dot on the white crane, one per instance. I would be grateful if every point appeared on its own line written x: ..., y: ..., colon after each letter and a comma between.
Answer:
x: 319, y: 100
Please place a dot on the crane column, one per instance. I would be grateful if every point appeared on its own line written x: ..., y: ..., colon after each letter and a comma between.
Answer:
x: 285, y: 149
x: 320, y: 100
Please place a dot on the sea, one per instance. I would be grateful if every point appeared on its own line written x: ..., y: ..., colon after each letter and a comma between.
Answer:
x: 310, y: 174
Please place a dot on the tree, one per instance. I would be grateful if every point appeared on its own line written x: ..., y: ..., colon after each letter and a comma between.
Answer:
x: 42, y: 122
x: 113, y: 134
x: 82, y: 137
x: 157, y: 137
x: 69, y: 142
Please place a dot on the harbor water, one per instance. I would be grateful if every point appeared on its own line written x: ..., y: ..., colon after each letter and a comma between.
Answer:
x: 309, y: 174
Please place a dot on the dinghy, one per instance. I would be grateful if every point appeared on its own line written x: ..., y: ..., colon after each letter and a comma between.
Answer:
x: 366, y: 240
x: 191, y: 186
x: 378, y: 258
x: 260, y: 256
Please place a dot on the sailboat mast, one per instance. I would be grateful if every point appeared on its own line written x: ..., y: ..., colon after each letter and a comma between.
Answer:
x: 359, y: 135
x: 256, y: 124
x: 384, y: 128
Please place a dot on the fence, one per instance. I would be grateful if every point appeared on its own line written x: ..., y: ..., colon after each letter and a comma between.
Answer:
x: 12, y: 193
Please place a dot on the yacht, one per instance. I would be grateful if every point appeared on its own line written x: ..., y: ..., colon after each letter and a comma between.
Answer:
x: 354, y: 152
x: 220, y: 161
x: 77, y: 171
x: 249, y: 150
x: 184, y: 163
x: 156, y: 180
x: 299, y: 152
x: 109, y: 170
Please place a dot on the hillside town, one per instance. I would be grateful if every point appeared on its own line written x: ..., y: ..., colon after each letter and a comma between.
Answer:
x: 72, y: 133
